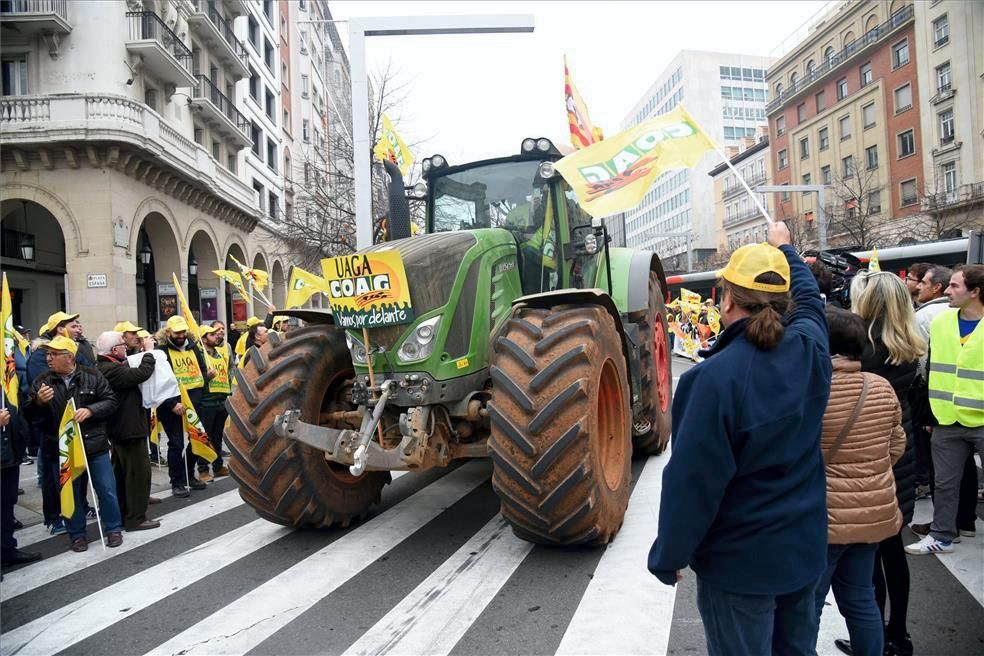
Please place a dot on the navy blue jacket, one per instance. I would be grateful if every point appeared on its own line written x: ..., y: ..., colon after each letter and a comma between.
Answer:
x: 744, y: 497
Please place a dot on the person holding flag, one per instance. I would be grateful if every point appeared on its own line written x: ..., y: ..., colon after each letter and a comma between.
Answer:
x: 212, y: 409
x: 68, y: 384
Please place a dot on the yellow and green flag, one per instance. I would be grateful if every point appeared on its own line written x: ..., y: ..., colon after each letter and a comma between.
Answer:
x: 71, y: 458
x: 303, y: 285
x: 613, y: 175
x: 874, y: 264
x: 390, y: 146
x: 235, y: 280
x: 186, y: 309
x: 10, y: 342
x: 195, y: 431
x: 258, y: 277
x: 155, y: 427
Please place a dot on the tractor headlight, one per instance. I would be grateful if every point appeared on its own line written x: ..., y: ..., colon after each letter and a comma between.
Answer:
x: 426, y: 165
x: 591, y: 244
x: 420, y: 343
x: 357, y: 349
x: 528, y: 145
x: 437, y: 161
x: 420, y: 190
x: 547, y: 170
x: 543, y: 144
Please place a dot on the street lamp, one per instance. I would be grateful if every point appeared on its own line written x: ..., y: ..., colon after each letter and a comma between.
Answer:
x: 192, y: 265
x: 27, y: 247
x: 145, y: 254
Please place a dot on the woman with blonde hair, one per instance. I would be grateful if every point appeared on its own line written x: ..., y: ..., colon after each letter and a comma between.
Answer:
x: 892, y: 350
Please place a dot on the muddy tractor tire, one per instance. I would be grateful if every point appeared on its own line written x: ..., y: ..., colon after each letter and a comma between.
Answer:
x: 651, y: 427
x: 287, y: 482
x: 561, y: 425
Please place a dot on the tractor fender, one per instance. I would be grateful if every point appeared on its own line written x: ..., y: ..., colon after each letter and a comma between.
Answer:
x: 630, y: 277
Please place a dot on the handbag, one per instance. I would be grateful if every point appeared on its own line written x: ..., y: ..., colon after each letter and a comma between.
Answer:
x: 835, y: 447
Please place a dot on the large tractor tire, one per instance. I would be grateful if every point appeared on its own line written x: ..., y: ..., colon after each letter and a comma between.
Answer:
x: 287, y: 482
x: 651, y: 427
x: 561, y: 425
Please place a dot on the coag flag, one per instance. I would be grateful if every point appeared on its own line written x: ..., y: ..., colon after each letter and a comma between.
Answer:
x: 186, y: 309
x: 390, y: 146
x: 71, y: 457
x: 258, y: 277
x: 195, y: 431
x: 613, y: 175
x: 583, y: 134
x: 690, y: 297
x: 155, y: 427
x: 874, y: 264
x: 235, y: 280
x: 10, y: 342
x: 303, y: 285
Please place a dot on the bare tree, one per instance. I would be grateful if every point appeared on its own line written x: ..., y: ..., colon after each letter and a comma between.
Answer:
x: 855, y: 216
x: 946, y: 212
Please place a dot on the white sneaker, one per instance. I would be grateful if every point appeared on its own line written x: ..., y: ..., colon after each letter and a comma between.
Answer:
x: 929, y: 545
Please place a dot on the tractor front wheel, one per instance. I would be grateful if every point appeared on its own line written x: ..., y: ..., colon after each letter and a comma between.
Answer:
x: 651, y: 427
x: 561, y: 425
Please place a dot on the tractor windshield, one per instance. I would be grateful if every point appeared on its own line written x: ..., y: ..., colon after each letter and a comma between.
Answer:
x: 507, y: 195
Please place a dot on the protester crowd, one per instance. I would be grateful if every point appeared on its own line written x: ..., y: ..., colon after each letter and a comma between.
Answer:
x: 803, y: 439
x: 121, y: 386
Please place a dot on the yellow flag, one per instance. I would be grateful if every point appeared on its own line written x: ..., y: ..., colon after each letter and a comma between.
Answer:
x: 9, y: 380
x: 613, y: 175
x: 155, y: 427
x: 186, y: 309
x: 303, y: 285
x: 390, y: 146
x: 195, y: 431
x: 258, y: 277
x: 71, y: 458
x: 873, y: 263
x: 688, y: 296
x: 235, y: 280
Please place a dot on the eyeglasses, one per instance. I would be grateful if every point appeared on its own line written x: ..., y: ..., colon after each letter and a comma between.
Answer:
x: 55, y: 354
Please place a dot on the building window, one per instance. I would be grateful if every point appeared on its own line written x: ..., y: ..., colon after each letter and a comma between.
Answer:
x: 199, y: 135
x: 780, y: 126
x: 866, y: 74
x: 273, y: 206
x: 903, y: 98
x: 288, y: 173
x: 271, y: 107
x: 900, y: 54
x: 871, y: 157
x: 783, y: 159
x: 825, y: 175
x: 257, y: 135
x: 821, y: 102
x: 828, y: 54
x: 909, y: 195
x: 842, y: 88
x: 801, y: 112
x: 806, y: 180
x: 286, y: 120
x: 306, y: 130
x: 949, y: 171
x: 271, y: 149
x: 305, y: 85
x: 268, y: 55
x: 845, y: 127
x: 254, y: 85
x: 847, y: 166
x: 260, y: 196
x: 943, y: 79
x: 941, y: 31
x: 868, y: 115
x: 284, y: 76
x: 217, y: 150
x: 793, y: 81
x: 302, y: 5
x: 268, y: 10
x: 874, y: 202
x: 778, y: 89
x: 785, y: 196
x: 824, y: 135
x: 307, y: 173
x: 907, y: 143
x: 253, y: 32
x: 231, y: 162
x: 15, y: 76
x: 805, y: 148
x: 946, y: 126
x: 809, y: 69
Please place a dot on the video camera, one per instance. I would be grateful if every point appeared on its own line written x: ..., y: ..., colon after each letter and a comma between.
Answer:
x: 843, y: 266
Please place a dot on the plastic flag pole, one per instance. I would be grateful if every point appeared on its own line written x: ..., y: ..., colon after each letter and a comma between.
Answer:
x: 95, y: 498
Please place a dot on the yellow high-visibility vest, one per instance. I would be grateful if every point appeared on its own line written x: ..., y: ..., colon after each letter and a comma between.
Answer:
x: 956, y: 372
x: 220, y: 363
x: 186, y: 369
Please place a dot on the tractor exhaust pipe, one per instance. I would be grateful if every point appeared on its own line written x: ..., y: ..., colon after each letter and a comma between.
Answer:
x: 399, y: 207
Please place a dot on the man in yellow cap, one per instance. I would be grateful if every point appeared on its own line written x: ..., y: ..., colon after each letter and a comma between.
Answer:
x: 131, y: 336
x: 95, y: 404
x: 217, y: 390
x: 61, y: 323
x: 192, y: 372
x: 746, y: 442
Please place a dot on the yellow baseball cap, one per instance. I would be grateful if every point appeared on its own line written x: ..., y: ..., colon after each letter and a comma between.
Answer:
x: 126, y: 327
x: 57, y: 318
x: 62, y: 343
x: 252, y: 321
x: 177, y: 324
x: 206, y: 330
x: 143, y: 334
x: 751, y: 261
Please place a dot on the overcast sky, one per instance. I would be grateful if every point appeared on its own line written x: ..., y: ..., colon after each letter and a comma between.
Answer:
x: 476, y: 96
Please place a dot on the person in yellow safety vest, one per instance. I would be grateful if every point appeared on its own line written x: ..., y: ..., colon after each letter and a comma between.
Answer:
x: 956, y: 396
x: 192, y: 372
x: 212, y: 407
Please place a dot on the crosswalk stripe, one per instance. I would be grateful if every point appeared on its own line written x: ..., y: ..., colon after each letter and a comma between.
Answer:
x: 432, y: 618
x: 243, y: 624
x: 622, y: 591
x: 60, y: 629
x: 51, y: 569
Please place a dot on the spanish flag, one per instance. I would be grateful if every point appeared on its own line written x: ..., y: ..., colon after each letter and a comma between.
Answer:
x: 195, y: 431
x: 583, y: 133
x: 71, y: 458
x: 9, y: 381
x: 186, y: 309
x: 303, y: 285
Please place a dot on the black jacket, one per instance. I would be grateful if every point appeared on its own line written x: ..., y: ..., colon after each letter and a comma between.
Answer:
x: 900, y: 376
x: 90, y: 390
x: 13, y: 439
x: 130, y: 422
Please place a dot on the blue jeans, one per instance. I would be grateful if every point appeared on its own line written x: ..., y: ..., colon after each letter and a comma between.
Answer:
x: 849, y: 570
x: 738, y: 624
x: 104, y: 482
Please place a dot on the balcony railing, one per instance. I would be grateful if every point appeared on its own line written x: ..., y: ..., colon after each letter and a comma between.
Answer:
x: 875, y: 34
x: 732, y: 189
x: 30, y: 8
x: 206, y: 89
x: 148, y: 26
x: 963, y: 195
x: 224, y: 28
x: 743, y: 216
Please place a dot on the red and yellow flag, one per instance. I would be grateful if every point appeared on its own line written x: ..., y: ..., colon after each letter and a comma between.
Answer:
x: 10, y: 342
x: 195, y: 431
x: 583, y: 133
x: 186, y: 309
x: 71, y: 458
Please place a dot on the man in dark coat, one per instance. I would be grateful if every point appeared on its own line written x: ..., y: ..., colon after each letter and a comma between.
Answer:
x: 12, y: 441
x: 128, y: 433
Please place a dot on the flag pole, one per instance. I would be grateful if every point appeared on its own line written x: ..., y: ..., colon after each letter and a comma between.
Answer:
x: 95, y: 497
x: 252, y: 287
x: 372, y: 378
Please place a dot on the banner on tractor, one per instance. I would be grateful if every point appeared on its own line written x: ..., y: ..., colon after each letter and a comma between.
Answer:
x: 390, y: 146
x: 368, y: 290
x: 613, y: 175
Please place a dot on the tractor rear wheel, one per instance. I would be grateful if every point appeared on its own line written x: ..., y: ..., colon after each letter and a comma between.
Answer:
x: 651, y: 427
x: 287, y: 482
x: 561, y: 425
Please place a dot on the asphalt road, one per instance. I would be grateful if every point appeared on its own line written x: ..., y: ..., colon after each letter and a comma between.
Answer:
x: 434, y: 570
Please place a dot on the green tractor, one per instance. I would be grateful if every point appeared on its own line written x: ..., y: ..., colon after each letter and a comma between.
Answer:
x: 534, y: 343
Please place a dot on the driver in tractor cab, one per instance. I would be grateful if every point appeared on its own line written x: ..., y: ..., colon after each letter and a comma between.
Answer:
x: 538, y: 266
